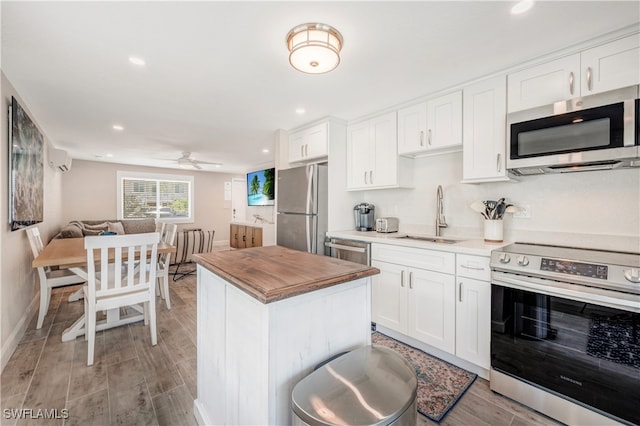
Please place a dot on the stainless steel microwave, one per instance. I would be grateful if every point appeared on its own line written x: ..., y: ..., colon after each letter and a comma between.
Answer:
x: 596, y: 132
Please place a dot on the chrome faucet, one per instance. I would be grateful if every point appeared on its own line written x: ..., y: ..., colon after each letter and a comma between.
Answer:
x: 441, y: 222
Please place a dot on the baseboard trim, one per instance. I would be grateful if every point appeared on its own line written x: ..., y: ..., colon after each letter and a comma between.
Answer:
x: 10, y: 345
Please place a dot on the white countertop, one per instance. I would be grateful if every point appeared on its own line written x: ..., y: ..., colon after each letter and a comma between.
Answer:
x: 473, y: 246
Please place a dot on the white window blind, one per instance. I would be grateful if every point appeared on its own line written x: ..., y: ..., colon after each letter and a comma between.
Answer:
x: 163, y: 197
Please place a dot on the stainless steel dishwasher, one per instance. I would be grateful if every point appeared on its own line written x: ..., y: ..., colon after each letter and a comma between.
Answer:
x: 353, y: 251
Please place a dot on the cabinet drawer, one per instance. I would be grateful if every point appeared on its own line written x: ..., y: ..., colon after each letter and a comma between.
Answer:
x: 473, y: 267
x: 431, y: 260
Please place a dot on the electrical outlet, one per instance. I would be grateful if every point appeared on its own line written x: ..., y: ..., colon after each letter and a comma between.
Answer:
x: 524, y: 213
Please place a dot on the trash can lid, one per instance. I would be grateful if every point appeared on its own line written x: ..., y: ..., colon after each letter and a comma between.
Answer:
x: 372, y: 385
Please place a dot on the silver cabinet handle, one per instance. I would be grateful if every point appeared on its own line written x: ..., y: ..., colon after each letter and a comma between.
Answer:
x: 475, y: 268
x: 410, y: 279
x: 421, y: 137
x: 306, y: 149
x: 589, y: 79
x: 429, y: 137
x: 571, y: 81
x: 301, y: 151
x: 402, y: 278
x: 365, y: 179
x: 460, y: 291
x: 498, y: 162
x: 371, y: 177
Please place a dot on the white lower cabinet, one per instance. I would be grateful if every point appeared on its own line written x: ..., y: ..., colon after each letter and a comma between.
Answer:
x: 417, y: 294
x: 473, y: 309
x: 413, y: 300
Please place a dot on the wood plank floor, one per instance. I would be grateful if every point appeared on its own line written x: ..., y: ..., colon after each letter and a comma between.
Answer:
x: 134, y: 383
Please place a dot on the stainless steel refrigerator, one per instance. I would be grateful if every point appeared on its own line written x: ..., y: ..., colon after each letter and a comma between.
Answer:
x: 301, y: 202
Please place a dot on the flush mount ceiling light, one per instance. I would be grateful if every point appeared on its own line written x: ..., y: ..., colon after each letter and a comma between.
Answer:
x: 314, y: 48
x: 521, y: 7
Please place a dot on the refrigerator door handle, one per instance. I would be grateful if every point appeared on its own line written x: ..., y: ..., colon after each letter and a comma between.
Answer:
x: 311, y: 235
x: 310, y: 183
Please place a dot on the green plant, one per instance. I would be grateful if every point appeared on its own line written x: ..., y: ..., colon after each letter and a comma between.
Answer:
x: 269, y: 184
x: 255, y: 185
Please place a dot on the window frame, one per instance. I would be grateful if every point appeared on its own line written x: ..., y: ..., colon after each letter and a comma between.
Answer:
x: 158, y: 177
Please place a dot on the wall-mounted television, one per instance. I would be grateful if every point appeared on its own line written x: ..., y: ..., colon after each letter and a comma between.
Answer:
x: 261, y: 187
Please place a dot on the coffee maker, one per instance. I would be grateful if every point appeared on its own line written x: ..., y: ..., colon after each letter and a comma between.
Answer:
x: 364, y: 214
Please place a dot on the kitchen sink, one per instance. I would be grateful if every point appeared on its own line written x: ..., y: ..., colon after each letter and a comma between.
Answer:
x: 437, y: 240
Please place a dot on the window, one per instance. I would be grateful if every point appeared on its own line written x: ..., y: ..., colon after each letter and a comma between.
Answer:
x: 145, y: 195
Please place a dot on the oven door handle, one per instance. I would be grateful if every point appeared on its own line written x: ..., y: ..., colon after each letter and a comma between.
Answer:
x: 596, y: 296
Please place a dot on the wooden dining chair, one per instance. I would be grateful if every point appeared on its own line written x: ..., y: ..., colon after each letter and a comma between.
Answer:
x: 114, y: 282
x: 163, y: 264
x: 48, y: 278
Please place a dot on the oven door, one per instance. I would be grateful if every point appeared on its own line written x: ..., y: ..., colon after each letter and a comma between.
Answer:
x: 578, y: 350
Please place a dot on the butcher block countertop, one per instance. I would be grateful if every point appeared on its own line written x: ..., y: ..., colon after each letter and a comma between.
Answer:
x: 274, y: 273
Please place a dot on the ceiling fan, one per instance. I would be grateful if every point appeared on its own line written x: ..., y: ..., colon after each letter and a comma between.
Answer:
x: 186, y: 161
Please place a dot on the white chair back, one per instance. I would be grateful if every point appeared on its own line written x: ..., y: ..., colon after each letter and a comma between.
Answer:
x: 118, y: 275
x: 35, y: 241
x: 169, y: 237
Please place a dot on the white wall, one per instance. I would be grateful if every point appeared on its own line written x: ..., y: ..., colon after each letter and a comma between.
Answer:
x: 594, y: 209
x: 19, y: 283
x: 90, y: 193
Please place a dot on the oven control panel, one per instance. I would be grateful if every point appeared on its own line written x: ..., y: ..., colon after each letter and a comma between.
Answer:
x: 575, y: 268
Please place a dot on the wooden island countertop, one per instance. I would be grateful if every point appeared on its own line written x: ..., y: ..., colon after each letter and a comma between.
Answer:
x: 274, y: 273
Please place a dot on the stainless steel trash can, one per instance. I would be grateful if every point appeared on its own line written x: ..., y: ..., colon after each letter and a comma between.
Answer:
x: 373, y: 385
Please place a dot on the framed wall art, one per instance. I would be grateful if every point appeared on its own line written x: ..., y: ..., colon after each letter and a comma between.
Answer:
x: 26, y: 168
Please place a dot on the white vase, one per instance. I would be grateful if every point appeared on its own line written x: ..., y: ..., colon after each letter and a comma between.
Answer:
x: 493, y: 231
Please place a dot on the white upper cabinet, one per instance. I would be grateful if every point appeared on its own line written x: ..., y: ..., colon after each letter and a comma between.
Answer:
x: 544, y: 84
x: 606, y: 67
x: 309, y: 144
x: 372, y: 155
x: 611, y: 66
x: 484, y: 134
x: 434, y: 126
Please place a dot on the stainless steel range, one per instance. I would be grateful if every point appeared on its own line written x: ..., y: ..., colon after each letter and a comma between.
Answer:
x: 565, y: 331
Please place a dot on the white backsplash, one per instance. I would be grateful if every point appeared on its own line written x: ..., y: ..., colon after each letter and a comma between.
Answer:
x: 589, y: 209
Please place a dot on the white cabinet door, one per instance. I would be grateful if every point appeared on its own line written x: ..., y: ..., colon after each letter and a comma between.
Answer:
x: 431, y: 314
x: 611, y: 66
x: 389, y: 296
x: 544, y: 84
x: 309, y: 144
x: 385, y: 151
x: 372, y: 154
x: 359, y: 156
x: 484, y: 134
x: 431, y: 126
x: 296, y: 147
x: 412, y: 129
x: 444, y: 121
x: 473, y: 321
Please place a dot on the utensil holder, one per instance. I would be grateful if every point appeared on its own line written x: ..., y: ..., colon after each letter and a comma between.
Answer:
x: 493, y: 231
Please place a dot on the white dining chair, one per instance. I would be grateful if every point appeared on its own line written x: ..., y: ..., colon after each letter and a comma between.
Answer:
x: 161, y: 228
x: 111, y: 284
x: 48, y: 278
x: 163, y: 264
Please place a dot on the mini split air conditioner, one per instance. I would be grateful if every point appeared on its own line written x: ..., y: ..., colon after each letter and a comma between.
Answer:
x: 59, y: 159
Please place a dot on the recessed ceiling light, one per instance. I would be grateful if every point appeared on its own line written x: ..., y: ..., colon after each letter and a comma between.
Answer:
x: 117, y: 127
x: 265, y: 151
x: 110, y: 155
x: 137, y: 61
x: 521, y: 7
x: 300, y: 111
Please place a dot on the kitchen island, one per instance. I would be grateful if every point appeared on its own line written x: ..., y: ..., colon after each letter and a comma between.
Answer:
x: 266, y: 317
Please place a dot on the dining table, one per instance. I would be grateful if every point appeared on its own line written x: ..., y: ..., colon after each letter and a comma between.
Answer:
x: 69, y: 253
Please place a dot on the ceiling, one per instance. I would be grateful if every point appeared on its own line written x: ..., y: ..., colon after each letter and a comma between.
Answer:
x: 217, y: 81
